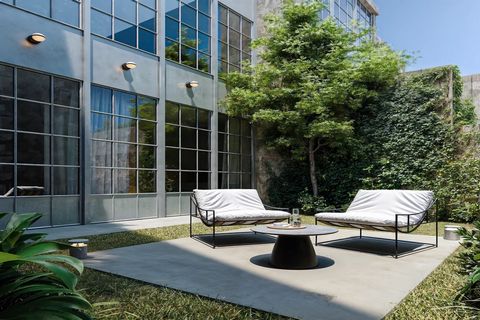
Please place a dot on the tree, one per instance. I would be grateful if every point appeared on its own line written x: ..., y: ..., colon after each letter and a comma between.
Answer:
x: 312, y: 76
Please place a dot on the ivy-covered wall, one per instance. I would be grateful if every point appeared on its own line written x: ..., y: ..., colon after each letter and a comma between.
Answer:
x: 411, y: 137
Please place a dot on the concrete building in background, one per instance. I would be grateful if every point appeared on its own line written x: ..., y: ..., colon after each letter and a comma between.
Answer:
x: 114, y: 115
x: 471, y: 91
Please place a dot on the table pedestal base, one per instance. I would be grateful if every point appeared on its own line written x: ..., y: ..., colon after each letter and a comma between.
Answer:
x: 293, y: 252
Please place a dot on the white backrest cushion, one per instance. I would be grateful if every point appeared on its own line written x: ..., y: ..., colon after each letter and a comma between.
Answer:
x: 391, y: 202
x: 224, y: 200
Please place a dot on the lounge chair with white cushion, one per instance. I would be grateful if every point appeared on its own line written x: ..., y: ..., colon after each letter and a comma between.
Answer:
x: 222, y: 207
x: 399, y: 211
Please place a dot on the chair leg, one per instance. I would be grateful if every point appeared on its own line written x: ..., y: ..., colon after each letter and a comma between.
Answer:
x: 316, y: 237
x: 213, y: 235
x: 190, y: 224
x: 396, y: 243
x: 436, y: 229
x: 360, y: 233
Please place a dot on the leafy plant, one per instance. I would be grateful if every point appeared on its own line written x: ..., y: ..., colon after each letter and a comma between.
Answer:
x: 35, y: 283
x: 470, y: 264
x: 309, y: 203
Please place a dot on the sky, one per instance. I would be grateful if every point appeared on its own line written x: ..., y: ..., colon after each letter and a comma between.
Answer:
x: 436, y: 32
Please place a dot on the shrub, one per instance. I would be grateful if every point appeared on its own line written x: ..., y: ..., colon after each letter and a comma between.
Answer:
x: 470, y: 264
x: 309, y: 203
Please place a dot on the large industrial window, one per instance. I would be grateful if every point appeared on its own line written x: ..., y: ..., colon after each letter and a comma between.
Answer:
x: 234, y: 40
x: 325, y: 12
x: 132, y: 22
x: 39, y: 144
x: 187, y: 137
x: 344, y: 10
x: 187, y: 31
x: 67, y: 11
x: 365, y: 17
x: 124, y: 144
x: 235, y: 153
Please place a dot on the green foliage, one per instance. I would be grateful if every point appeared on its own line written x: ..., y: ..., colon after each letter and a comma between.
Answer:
x: 465, y: 113
x: 35, y: 283
x: 470, y: 265
x: 309, y: 203
x: 285, y: 188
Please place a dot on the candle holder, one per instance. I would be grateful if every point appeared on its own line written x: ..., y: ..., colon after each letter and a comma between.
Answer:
x: 78, y: 248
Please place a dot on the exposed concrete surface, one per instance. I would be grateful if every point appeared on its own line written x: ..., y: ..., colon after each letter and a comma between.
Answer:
x: 348, y: 284
x: 471, y: 90
x: 110, y: 227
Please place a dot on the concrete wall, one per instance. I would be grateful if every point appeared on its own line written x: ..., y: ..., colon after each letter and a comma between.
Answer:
x: 471, y: 90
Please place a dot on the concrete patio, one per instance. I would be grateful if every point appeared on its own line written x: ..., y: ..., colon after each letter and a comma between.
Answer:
x: 349, y: 283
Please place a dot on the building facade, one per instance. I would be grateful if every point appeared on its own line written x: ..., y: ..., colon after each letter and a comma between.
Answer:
x: 86, y: 138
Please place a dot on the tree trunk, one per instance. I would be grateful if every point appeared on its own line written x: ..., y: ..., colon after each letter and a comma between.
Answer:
x: 313, y: 169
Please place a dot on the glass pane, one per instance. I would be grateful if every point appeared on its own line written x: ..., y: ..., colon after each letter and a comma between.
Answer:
x: 65, y: 151
x: 66, y: 92
x: 189, y: 181
x: 6, y: 147
x: 246, y: 28
x: 203, y: 23
x: 204, y: 180
x: 171, y: 112
x: 189, y: 57
x: 223, y: 54
x: 101, y: 126
x: 67, y: 11
x: 38, y: 6
x: 189, y: 138
x: 102, y: 154
x: 246, y: 164
x: 125, y: 181
x: 189, y: 16
x: 101, y: 24
x: 101, y: 99
x: 6, y: 113
x: 234, y: 181
x: 33, y: 180
x: 234, y: 21
x: 203, y: 119
x: 125, y: 155
x: 172, y: 181
x: 246, y: 128
x: 147, y: 132
x: 171, y: 29
x: 33, y: 148
x: 125, y: 129
x: 232, y: 68
x: 223, y: 15
x: 125, y: 104
x: 147, y: 108
x: 104, y: 5
x: 234, y: 144
x: 246, y: 44
x: 147, y: 157
x: 101, y: 181
x: 234, y: 56
x: 146, y: 18
x: 65, y: 121
x: 203, y: 62
x: 246, y: 181
x: 203, y: 161
x: 146, y: 41
x: 33, y: 85
x: 246, y: 146
x: 171, y: 50
x: 223, y: 33
x: 147, y: 181
x: 125, y: 32
x: 6, y: 80
x: 189, y: 36
x: 65, y: 180
x: 222, y: 122
x: 222, y: 162
x: 172, y: 158
x: 171, y: 135
x: 151, y: 3
x: 234, y: 163
x: 191, y: 3
x: 234, y: 126
x: 246, y: 57
x: 204, y: 6
x: 189, y: 116
x: 171, y: 8
x: 203, y: 140
x: 203, y: 43
x: 6, y: 180
x: 223, y: 180
x: 234, y: 38
x: 189, y: 160
x: 34, y: 117
x: 222, y: 142
x: 126, y: 10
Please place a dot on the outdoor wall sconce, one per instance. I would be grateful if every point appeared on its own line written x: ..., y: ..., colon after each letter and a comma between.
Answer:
x: 36, y: 38
x: 129, y: 65
x: 192, y: 84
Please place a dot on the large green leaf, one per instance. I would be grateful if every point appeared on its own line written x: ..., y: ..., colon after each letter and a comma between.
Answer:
x: 71, y: 261
x: 40, y: 248
x: 17, y: 224
x: 7, y: 257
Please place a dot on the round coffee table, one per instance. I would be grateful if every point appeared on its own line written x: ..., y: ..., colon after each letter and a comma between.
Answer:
x: 293, y: 248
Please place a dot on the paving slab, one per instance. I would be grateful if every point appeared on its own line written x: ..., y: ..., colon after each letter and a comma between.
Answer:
x: 349, y: 283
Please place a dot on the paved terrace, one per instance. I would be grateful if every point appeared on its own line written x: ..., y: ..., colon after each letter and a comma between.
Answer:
x: 347, y: 284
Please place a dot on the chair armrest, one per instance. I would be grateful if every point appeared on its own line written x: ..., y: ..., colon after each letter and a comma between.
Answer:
x: 198, y: 209
x: 275, y: 208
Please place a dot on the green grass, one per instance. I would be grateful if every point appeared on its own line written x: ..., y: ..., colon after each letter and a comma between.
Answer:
x: 432, y: 299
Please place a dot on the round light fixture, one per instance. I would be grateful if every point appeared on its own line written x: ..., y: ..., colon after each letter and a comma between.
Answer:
x: 192, y: 84
x: 36, y: 38
x: 129, y: 65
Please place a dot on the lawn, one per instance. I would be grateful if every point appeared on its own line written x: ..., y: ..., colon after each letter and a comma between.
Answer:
x: 432, y: 299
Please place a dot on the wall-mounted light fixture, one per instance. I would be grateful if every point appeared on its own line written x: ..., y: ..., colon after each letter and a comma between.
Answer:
x: 192, y: 84
x: 36, y: 38
x: 129, y: 65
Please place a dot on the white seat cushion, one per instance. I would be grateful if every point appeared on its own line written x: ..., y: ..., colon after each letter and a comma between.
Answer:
x: 379, y: 207
x: 247, y: 215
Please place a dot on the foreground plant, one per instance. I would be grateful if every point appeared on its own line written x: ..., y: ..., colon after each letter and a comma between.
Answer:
x: 470, y: 264
x: 35, y: 283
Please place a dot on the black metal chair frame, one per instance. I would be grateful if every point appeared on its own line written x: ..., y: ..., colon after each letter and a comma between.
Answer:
x: 402, y: 229
x: 197, y: 213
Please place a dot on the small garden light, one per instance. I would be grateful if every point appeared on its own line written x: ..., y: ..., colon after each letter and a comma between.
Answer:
x: 36, y: 38
x: 78, y: 248
x: 129, y: 65
x: 192, y: 84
